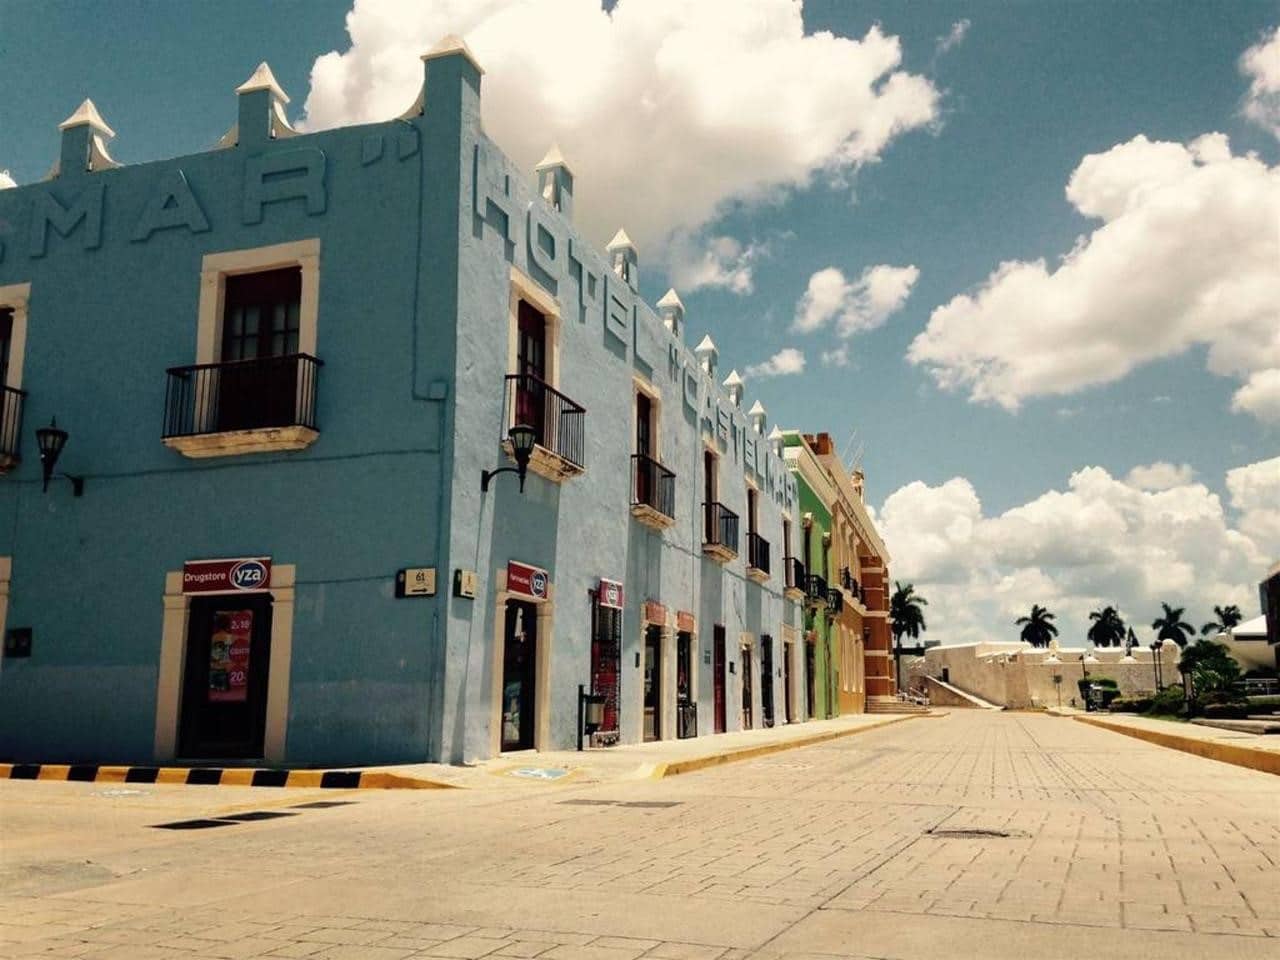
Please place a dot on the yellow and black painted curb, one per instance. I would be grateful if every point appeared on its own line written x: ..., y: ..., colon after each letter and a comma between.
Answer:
x: 1266, y: 761
x: 219, y: 776
x: 676, y: 767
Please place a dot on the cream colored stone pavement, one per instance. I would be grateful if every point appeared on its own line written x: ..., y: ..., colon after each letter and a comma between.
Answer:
x: 974, y: 835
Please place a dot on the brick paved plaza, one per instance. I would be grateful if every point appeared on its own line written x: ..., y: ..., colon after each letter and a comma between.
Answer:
x: 967, y: 835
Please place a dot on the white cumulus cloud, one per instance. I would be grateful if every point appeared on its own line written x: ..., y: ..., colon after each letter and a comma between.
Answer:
x: 1102, y: 540
x: 785, y: 362
x: 1261, y: 64
x: 836, y: 357
x: 1160, y: 476
x: 666, y: 109
x: 1260, y: 396
x: 854, y: 305
x: 959, y: 30
x: 1186, y: 255
x: 718, y: 262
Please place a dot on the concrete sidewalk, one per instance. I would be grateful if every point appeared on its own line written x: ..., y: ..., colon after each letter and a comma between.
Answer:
x: 1228, y: 746
x: 642, y: 761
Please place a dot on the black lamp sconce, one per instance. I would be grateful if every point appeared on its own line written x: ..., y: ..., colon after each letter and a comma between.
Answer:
x: 522, y: 437
x: 51, y: 440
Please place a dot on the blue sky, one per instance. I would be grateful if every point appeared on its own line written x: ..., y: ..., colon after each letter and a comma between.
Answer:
x: 1022, y: 94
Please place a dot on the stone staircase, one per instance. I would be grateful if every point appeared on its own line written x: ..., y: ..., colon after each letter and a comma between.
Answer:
x: 894, y: 705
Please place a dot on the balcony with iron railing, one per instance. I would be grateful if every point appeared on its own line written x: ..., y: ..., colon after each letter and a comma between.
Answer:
x: 559, y: 425
x: 757, y: 557
x: 719, y: 532
x: 653, y: 492
x: 835, y: 601
x: 242, y: 406
x: 795, y: 583
x: 815, y: 590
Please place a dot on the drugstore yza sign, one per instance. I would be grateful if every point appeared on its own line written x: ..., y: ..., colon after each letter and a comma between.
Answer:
x: 523, y: 580
x: 269, y: 178
x: 236, y: 575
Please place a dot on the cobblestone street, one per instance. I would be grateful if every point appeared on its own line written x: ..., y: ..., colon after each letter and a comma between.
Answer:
x: 972, y: 834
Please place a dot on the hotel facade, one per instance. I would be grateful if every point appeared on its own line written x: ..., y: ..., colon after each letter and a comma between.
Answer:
x: 282, y: 372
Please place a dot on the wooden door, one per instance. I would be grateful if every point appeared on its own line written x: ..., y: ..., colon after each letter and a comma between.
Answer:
x: 747, y: 721
x: 258, y: 382
x: 224, y: 695
x: 652, y: 683
x: 766, y: 680
x: 531, y: 364
x: 788, y: 651
x: 519, y: 675
x: 717, y: 679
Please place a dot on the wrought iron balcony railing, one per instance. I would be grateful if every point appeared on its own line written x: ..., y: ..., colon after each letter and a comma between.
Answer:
x: 816, y: 589
x: 835, y: 601
x: 758, y: 552
x: 720, y: 527
x: 558, y: 423
x: 257, y: 394
x: 652, y: 485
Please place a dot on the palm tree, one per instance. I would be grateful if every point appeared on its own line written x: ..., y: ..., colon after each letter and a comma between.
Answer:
x: 907, y: 617
x: 1172, y: 627
x: 1037, y: 629
x: 904, y: 609
x: 1228, y: 617
x: 1108, y: 628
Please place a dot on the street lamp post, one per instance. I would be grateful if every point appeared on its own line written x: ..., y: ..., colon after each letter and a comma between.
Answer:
x: 522, y: 437
x: 1156, y: 644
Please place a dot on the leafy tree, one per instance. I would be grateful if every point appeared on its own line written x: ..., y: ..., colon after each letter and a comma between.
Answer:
x: 904, y: 608
x: 1228, y: 617
x: 1108, y: 628
x: 1211, y: 668
x: 1038, y: 628
x: 1171, y: 626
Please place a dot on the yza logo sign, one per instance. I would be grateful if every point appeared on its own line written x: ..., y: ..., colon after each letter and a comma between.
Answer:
x: 235, y: 575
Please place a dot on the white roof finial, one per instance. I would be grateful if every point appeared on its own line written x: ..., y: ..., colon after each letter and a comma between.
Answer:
x: 87, y: 115
x: 263, y: 79
x: 554, y: 158
x: 619, y: 241
x: 671, y: 299
x: 449, y: 45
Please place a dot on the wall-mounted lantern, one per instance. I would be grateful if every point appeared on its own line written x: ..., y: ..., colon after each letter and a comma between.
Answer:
x: 51, y: 440
x: 522, y: 437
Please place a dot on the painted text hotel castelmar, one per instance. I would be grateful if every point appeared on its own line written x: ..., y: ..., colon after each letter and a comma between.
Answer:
x: 266, y: 524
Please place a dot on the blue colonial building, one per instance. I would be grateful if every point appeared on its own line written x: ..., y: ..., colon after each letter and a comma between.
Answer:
x: 278, y: 371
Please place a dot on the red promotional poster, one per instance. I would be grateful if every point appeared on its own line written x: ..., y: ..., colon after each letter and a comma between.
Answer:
x: 610, y: 594
x: 229, y: 656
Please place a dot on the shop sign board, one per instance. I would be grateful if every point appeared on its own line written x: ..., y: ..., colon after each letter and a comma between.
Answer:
x: 654, y: 612
x: 610, y: 594
x: 527, y: 581
x: 236, y: 575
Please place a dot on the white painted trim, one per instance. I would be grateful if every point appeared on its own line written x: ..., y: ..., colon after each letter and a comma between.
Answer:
x: 16, y: 296
x: 173, y: 654
x: 216, y: 267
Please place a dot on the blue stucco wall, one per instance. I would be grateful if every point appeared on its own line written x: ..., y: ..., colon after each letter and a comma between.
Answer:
x: 421, y: 222
x: 107, y: 316
x: 581, y: 529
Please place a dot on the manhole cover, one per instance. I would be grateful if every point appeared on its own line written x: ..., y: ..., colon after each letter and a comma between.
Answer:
x: 971, y: 834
